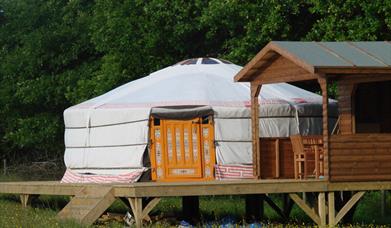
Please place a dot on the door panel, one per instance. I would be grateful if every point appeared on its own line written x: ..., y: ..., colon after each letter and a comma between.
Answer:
x: 179, y: 166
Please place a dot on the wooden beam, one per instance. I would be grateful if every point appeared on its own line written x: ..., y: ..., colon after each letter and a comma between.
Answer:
x: 25, y: 199
x: 322, y: 208
x: 254, y: 207
x: 363, y: 78
x: 275, y: 207
x: 383, y: 202
x: 191, y: 208
x: 331, y: 206
x: 345, y: 209
x: 346, y: 91
x: 277, y: 151
x: 137, y: 209
x: 287, y: 205
x: 308, y: 210
x: 255, y: 90
x: 150, y: 206
x: 325, y: 118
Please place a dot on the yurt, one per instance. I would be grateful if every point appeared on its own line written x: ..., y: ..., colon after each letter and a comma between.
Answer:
x: 181, y: 123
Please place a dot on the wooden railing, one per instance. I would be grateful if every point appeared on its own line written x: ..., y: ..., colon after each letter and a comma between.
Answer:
x: 360, y: 157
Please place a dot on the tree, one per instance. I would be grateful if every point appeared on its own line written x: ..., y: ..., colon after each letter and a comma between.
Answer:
x: 45, y: 52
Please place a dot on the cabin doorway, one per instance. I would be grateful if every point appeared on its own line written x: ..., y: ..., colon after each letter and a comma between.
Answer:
x: 373, y: 107
x: 182, y: 149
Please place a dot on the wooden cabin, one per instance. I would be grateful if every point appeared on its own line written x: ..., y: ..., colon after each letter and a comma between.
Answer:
x: 360, y: 148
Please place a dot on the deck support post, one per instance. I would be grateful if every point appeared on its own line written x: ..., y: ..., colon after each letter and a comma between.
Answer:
x: 281, y: 212
x: 322, y: 208
x: 254, y: 206
x: 141, y: 213
x: 137, y: 209
x: 383, y: 202
x: 287, y: 205
x: 25, y: 199
x: 331, y: 205
x: 191, y: 208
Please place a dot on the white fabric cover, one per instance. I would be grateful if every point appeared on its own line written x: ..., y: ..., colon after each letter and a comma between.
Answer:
x: 110, y: 132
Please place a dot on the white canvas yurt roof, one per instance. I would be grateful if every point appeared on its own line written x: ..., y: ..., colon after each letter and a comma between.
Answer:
x: 109, y: 134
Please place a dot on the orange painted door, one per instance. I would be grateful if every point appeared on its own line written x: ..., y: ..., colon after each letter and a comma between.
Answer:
x: 182, y: 149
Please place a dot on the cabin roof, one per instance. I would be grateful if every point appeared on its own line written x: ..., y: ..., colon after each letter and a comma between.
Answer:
x: 323, y: 57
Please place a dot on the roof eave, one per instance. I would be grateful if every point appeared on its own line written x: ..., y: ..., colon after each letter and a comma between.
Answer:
x: 243, y: 75
x: 352, y: 70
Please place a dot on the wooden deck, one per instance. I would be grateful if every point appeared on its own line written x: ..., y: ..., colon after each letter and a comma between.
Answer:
x: 96, y: 198
x: 158, y: 189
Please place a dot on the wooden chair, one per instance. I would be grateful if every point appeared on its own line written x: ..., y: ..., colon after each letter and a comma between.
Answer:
x: 315, y: 145
x: 307, y: 150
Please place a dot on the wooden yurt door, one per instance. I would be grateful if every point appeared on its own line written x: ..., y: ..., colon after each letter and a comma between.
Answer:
x: 182, y: 149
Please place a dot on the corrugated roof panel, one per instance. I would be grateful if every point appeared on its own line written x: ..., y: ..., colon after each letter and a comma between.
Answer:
x: 379, y: 49
x: 351, y: 54
x: 313, y: 54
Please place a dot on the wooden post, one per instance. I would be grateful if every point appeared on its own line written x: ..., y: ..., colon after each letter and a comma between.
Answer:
x: 25, y: 199
x: 137, y: 208
x: 322, y: 208
x: 277, y: 151
x: 325, y: 101
x: 255, y: 90
x: 4, y: 167
x: 346, y: 91
x: 331, y: 205
x: 191, y: 208
x: 287, y: 205
x: 254, y: 207
x: 383, y: 202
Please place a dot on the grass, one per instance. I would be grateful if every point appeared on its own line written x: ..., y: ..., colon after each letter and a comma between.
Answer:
x: 13, y: 215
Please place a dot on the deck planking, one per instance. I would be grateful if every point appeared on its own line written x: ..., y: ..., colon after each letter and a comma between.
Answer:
x: 167, y: 189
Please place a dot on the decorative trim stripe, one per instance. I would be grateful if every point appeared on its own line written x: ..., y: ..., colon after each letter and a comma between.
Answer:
x: 232, y: 172
x: 74, y: 177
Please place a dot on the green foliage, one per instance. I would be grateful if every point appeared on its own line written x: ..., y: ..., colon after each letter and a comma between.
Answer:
x: 54, y: 54
x: 45, y: 52
x: 351, y: 20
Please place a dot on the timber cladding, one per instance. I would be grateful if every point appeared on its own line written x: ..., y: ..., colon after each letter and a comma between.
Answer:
x: 360, y: 157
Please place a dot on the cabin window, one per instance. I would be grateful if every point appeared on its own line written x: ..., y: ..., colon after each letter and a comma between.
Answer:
x: 373, y: 107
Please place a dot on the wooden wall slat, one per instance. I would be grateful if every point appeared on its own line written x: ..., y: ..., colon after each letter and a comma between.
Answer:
x: 360, y: 157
